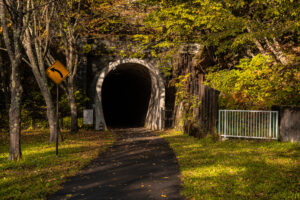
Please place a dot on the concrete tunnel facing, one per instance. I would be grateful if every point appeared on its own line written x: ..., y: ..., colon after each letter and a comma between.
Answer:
x: 130, y: 93
x: 125, y: 95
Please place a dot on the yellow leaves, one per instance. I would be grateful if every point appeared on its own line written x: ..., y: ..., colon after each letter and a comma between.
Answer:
x: 164, y: 196
x: 69, y: 195
x: 258, y: 72
x: 198, y: 12
x: 45, y: 34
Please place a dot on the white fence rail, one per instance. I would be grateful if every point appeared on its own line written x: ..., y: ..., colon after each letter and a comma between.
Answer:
x: 248, y: 124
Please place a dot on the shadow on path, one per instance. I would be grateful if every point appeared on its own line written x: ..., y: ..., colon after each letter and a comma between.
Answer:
x: 140, y: 165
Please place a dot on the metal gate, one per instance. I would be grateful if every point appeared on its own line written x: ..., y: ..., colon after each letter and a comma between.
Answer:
x: 248, y: 124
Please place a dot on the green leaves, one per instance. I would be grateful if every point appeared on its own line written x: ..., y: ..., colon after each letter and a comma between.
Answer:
x: 222, y: 24
x: 256, y: 83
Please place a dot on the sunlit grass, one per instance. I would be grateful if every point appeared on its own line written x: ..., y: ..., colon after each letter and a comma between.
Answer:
x: 236, y: 169
x: 40, y: 172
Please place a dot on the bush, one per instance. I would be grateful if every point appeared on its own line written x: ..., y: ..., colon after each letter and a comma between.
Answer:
x: 256, y: 83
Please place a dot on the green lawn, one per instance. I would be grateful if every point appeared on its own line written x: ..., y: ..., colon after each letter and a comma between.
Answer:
x: 40, y: 172
x: 236, y: 169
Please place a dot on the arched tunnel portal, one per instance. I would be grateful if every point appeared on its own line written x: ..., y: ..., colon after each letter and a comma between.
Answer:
x: 126, y: 95
x: 130, y: 93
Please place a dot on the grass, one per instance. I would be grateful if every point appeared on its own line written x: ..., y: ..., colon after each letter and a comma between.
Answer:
x: 40, y: 172
x: 236, y: 169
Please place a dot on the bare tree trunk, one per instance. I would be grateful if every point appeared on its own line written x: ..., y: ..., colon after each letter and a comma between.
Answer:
x: 42, y: 83
x: 69, y: 36
x: 73, y: 108
x: 276, y: 50
x: 51, y: 114
x: 15, y: 114
x: 38, y: 69
x: 72, y: 65
x: 257, y: 44
x: 13, y: 46
x: 249, y: 52
x: 36, y: 45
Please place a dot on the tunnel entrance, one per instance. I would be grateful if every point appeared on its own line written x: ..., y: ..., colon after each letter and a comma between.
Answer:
x: 130, y: 92
x: 126, y: 93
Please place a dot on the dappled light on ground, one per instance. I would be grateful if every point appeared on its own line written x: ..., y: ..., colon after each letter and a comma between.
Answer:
x: 237, y: 169
x: 40, y: 171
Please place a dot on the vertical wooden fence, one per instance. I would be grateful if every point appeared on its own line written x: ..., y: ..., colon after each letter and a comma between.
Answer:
x: 208, y: 111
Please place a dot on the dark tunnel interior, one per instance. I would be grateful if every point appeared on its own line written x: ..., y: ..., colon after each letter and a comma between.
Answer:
x: 126, y: 94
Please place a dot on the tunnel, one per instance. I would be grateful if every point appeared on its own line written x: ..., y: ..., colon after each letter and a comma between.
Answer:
x: 126, y: 93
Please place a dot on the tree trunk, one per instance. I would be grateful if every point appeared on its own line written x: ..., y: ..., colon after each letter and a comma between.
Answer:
x: 70, y: 41
x: 73, y: 108
x: 257, y: 43
x: 72, y: 64
x: 14, y: 52
x: 15, y: 114
x: 37, y: 65
x: 276, y: 50
x: 51, y: 113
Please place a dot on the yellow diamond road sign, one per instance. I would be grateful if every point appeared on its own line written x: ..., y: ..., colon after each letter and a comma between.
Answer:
x: 57, y: 72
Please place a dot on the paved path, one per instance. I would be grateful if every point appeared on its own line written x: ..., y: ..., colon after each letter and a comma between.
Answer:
x: 139, y: 166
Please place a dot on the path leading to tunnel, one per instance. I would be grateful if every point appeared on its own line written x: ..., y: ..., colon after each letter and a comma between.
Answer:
x: 140, y: 165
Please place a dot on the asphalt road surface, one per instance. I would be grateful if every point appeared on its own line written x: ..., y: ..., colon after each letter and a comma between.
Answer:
x: 139, y: 166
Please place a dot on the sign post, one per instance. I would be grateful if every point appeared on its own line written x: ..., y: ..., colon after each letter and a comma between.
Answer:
x: 57, y: 117
x: 57, y: 73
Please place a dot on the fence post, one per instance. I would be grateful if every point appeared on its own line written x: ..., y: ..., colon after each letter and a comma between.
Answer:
x: 225, y: 124
x: 277, y: 124
x: 219, y: 122
x: 270, y: 131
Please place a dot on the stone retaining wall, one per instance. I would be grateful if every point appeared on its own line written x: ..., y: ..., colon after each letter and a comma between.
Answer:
x: 289, y: 123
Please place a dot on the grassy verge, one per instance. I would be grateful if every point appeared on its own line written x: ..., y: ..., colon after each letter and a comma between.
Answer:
x: 236, y: 169
x: 40, y: 172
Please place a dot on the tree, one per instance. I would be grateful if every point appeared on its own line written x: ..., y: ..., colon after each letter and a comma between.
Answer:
x: 256, y: 83
x: 232, y: 28
x: 36, y: 43
x: 71, y: 18
x: 14, y: 11
x: 231, y: 32
x: 77, y: 19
